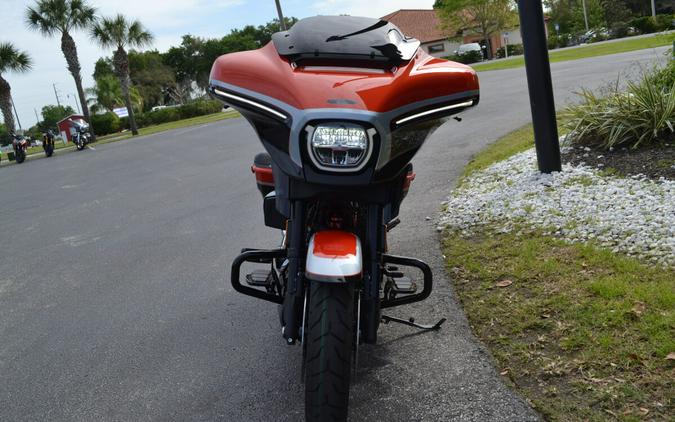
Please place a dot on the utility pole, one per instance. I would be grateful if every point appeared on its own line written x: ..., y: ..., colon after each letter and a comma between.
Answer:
x: 654, y: 9
x: 282, y: 22
x: 583, y: 2
x: 15, y: 113
x: 36, y: 116
x: 539, y: 85
x: 57, y: 96
x: 77, y: 105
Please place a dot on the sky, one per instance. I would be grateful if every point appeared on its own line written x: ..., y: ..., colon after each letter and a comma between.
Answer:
x: 167, y: 20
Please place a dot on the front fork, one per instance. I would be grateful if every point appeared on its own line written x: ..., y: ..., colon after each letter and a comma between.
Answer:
x: 369, y: 306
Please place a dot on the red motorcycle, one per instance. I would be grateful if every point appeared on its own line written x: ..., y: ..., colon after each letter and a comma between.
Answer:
x: 20, y: 145
x: 341, y: 105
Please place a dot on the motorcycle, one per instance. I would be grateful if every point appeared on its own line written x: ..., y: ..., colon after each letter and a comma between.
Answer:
x: 81, y: 137
x: 341, y: 105
x: 48, y: 143
x: 20, y: 145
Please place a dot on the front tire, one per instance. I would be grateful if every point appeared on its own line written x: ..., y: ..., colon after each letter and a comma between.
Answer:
x: 330, y: 334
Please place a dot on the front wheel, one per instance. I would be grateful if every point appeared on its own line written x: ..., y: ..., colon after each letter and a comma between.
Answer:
x: 330, y: 333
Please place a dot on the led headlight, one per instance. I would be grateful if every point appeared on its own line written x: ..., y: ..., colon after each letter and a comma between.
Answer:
x: 339, y: 145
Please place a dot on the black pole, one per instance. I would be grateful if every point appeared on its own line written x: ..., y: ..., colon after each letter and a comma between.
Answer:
x: 15, y: 113
x: 539, y: 84
x: 282, y: 22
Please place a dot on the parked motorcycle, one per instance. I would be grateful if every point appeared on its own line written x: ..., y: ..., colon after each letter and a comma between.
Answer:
x: 20, y: 145
x: 341, y: 104
x: 81, y: 137
x: 48, y: 143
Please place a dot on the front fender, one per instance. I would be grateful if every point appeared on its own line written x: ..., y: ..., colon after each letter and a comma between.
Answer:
x: 334, y: 256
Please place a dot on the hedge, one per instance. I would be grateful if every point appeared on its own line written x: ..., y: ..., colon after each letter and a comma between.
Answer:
x: 469, y: 57
x: 514, y: 50
x: 110, y: 123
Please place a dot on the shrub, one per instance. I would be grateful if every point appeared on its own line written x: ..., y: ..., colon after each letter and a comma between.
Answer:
x: 199, y: 108
x: 664, y: 22
x: 619, y: 29
x: 171, y: 114
x: 105, y: 123
x: 644, y: 24
x: 163, y: 115
x: 467, y: 58
x: 643, y: 115
x: 559, y: 41
x: 514, y: 50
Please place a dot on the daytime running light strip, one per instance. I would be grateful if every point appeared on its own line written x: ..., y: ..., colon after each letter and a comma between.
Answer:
x: 249, y: 102
x: 436, y: 110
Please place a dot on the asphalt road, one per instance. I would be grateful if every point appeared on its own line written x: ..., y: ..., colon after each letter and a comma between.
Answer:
x: 115, y: 303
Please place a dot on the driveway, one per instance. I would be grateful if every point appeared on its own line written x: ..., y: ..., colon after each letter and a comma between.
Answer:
x: 115, y: 303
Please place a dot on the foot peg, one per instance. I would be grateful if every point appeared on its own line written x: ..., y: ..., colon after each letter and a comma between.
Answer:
x: 260, y: 278
x: 411, y: 323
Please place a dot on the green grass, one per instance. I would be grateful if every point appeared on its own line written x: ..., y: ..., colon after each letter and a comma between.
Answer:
x: 591, y: 50
x: 582, y: 333
x: 517, y: 141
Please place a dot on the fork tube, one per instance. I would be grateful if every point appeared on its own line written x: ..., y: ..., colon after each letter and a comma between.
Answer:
x: 371, y: 288
x: 292, y: 307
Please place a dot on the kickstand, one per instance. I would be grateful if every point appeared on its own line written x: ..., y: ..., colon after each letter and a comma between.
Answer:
x: 411, y: 323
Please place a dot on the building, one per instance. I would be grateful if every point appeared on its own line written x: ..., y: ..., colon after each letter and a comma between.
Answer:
x: 425, y: 25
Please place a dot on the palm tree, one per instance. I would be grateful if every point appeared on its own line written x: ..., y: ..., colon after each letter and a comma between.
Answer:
x: 118, y: 32
x: 11, y: 60
x: 50, y: 17
x: 107, y: 95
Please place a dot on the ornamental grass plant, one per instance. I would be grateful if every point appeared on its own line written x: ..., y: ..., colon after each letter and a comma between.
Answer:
x: 641, y: 115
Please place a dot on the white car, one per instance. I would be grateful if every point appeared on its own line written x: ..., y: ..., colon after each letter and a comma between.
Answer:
x: 466, y: 48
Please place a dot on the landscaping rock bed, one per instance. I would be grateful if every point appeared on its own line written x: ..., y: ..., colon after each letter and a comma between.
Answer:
x: 634, y: 215
x: 653, y: 162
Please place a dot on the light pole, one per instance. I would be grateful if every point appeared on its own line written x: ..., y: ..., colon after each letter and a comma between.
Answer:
x: 15, y: 113
x: 583, y: 2
x: 58, y: 103
x: 76, y: 103
x: 282, y: 23
x: 654, y: 9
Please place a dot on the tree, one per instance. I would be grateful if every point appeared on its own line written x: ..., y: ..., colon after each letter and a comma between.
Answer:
x: 151, y: 77
x: 107, y: 95
x: 192, y: 60
x: 118, y: 32
x: 485, y: 17
x: 11, y: 60
x: 50, y: 17
x: 52, y: 114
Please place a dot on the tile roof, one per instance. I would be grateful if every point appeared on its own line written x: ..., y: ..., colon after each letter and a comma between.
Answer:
x: 422, y: 24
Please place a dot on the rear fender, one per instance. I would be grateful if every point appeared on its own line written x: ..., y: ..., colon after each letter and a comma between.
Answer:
x: 334, y: 256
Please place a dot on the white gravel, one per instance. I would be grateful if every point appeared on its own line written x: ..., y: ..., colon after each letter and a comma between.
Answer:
x: 635, y: 215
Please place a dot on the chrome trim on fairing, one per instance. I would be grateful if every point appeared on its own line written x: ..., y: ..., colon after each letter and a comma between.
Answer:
x: 435, y: 110
x: 249, y: 102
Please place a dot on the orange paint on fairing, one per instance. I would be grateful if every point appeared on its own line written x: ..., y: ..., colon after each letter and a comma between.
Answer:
x: 334, y: 244
x: 266, y: 72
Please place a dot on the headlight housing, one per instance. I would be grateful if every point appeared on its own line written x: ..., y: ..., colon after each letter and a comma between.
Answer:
x: 339, y: 146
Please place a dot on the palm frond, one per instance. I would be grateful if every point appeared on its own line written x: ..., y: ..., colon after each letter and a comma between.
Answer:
x: 14, y: 60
